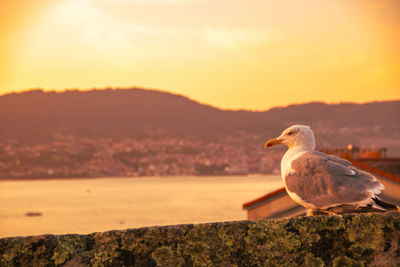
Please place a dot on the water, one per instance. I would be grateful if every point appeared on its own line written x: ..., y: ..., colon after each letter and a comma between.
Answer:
x: 92, y: 205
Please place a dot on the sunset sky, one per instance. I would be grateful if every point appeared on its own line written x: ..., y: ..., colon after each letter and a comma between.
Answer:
x: 228, y: 53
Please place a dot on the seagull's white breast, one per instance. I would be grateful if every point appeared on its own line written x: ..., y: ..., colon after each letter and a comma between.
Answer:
x: 286, y: 169
x: 286, y: 163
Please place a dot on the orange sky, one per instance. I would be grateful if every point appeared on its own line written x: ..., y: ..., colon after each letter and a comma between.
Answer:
x: 227, y: 53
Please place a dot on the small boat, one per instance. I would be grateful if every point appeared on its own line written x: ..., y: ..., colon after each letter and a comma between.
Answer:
x: 33, y: 214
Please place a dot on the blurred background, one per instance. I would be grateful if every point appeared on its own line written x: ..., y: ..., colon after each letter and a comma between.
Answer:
x: 130, y: 113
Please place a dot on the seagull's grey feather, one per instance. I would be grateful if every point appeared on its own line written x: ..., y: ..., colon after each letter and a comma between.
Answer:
x: 326, y: 181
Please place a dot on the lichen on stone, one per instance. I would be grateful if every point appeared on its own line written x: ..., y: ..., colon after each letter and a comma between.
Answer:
x: 349, y: 240
x: 164, y: 256
x: 342, y: 261
x: 311, y: 261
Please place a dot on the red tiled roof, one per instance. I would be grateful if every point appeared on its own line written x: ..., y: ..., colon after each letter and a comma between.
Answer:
x: 376, y: 171
x: 267, y: 196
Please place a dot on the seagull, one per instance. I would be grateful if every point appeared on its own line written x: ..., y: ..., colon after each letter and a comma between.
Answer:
x: 325, y: 183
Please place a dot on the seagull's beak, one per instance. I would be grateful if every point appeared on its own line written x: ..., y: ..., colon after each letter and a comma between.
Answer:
x: 273, y: 142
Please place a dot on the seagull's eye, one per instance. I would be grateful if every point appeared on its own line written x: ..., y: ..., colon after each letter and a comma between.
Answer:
x: 290, y: 133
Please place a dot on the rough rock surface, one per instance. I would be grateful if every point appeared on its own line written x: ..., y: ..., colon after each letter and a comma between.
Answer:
x: 351, y: 240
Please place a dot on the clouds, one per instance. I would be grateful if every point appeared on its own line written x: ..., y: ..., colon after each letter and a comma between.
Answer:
x: 229, y: 53
x: 241, y: 38
x: 151, y: 2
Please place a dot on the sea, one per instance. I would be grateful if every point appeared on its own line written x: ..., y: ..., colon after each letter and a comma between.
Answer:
x: 82, y: 206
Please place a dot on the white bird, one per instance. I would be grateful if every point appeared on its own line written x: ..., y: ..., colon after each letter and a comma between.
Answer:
x: 322, y: 182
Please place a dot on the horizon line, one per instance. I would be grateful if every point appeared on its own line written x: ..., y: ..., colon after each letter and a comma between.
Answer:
x: 65, y: 90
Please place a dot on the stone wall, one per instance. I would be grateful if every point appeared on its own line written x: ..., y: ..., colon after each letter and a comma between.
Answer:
x: 351, y: 240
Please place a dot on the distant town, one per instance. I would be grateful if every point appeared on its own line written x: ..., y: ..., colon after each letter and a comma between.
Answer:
x: 137, y: 132
x: 67, y: 156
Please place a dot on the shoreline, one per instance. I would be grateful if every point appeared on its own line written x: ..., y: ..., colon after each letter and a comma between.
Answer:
x: 24, y: 179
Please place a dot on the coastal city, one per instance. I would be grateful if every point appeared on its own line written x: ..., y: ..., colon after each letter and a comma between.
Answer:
x: 68, y: 156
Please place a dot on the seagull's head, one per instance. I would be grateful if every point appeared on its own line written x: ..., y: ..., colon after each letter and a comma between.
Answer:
x: 296, y: 135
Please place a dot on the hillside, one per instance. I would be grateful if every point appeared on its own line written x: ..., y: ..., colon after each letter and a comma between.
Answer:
x: 37, y: 116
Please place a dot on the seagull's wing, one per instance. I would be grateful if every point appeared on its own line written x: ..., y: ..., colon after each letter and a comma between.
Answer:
x: 327, y: 181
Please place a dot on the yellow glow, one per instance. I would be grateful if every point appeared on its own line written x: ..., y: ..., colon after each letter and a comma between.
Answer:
x: 231, y: 54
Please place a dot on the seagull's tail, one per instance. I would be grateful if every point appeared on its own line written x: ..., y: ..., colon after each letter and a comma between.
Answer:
x: 387, y: 206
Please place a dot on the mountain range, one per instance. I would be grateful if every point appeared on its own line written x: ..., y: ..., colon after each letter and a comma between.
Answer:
x: 36, y: 116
